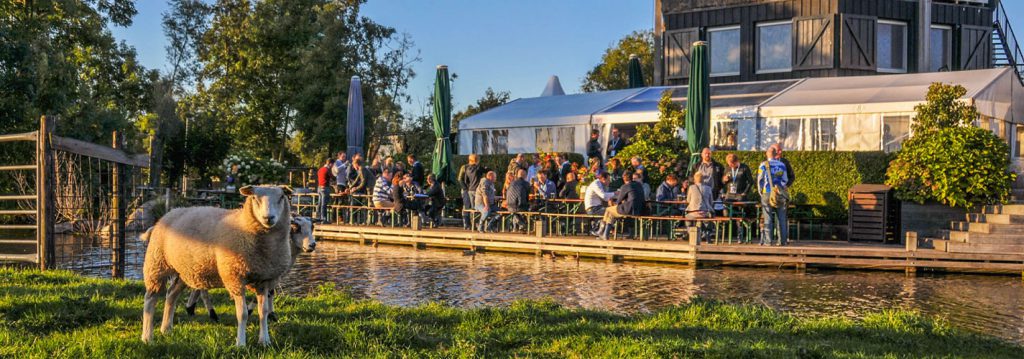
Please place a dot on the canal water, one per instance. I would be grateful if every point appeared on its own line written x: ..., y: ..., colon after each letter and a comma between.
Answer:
x: 407, y: 277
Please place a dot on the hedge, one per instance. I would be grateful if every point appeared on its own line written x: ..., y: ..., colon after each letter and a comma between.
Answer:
x: 823, y: 178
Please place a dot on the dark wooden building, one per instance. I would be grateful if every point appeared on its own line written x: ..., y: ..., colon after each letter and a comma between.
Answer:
x: 759, y: 40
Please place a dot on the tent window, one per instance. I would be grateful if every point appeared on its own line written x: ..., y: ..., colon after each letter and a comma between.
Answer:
x: 724, y: 48
x: 895, y: 130
x: 789, y: 133
x: 1020, y: 136
x: 556, y: 139
x: 822, y: 133
x: 490, y: 142
x: 940, y: 48
x: 725, y: 135
x: 892, y: 46
x: 775, y: 47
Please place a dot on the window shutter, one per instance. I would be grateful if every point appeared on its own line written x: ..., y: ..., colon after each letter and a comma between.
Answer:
x: 975, y: 47
x: 857, y: 43
x: 677, y: 52
x: 813, y: 43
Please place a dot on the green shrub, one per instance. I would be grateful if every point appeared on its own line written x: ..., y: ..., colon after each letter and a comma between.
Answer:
x: 823, y: 178
x: 959, y: 167
x: 658, y: 146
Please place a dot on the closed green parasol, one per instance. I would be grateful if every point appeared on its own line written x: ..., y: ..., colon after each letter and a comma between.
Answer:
x: 442, y: 167
x: 698, y: 104
x: 636, y: 75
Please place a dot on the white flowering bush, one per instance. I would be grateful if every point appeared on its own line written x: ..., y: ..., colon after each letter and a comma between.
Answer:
x: 246, y: 169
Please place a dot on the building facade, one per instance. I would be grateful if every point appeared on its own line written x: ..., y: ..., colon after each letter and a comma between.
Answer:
x: 763, y: 40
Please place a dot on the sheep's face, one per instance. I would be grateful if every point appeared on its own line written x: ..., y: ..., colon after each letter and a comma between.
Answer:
x: 302, y: 234
x: 269, y: 203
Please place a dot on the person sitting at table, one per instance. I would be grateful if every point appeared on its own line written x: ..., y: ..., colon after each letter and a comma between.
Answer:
x: 669, y: 190
x: 536, y: 165
x: 404, y: 200
x: 517, y: 199
x: 699, y: 201
x: 544, y: 189
x: 435, y: 191
x: 629, y: 202
x: 382, y: 190
x: 570, y: 190
x: 640, y: 176
x: 737, y: 180
x: 596, y: 198
x: 615, y: 173
x: 486, y: 202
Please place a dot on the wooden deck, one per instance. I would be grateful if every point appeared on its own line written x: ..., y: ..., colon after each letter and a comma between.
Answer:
x: 798, y: 255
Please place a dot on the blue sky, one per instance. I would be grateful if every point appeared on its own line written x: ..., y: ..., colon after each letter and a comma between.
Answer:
x: 507, y: 45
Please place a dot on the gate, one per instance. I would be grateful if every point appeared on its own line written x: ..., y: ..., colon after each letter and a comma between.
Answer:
x: 71, y: 204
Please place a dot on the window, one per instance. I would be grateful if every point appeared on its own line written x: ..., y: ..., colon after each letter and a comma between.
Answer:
x: 725, y: 135
x: 556, y: 139
x: 892, y: 46
x: 789, y: 133
x: 821, y: 134
x: 895, y: 130
x: 1020, y: 137
x: 724, y: 50
x: 775, y: 47
x: 490, y: 142
x: 940, y: 48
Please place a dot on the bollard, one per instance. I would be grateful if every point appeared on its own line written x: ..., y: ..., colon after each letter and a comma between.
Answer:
x: 911, y: 240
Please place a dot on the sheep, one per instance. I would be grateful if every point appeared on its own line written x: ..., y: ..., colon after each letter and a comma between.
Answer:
x: 302, y: 241
x: 207, y: 247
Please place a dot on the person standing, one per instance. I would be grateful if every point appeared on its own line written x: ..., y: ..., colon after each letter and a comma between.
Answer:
x: 737, y: 179
x: 469, y: 178
x: 340, y: 172
x: 416, y: 170
x: 324, y: 180
x: 711, y: 172
x: 435, y: 191
x: 594, y: 146
x: 485, y: 201
x: 517, y: 199
x: 790, y: 174
x: 616, y: 143
x: 772, y: 180
x: 629, y: 202
x: 596, y: 198
x: 361, y: 179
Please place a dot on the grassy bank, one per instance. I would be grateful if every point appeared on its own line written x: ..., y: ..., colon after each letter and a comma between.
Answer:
x: 58, y: 314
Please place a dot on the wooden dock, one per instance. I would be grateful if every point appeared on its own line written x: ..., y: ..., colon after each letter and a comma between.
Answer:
x: 799, y: 255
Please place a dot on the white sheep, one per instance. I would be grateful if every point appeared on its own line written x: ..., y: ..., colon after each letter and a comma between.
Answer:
x: 302, y: 241
x: 207, y: 247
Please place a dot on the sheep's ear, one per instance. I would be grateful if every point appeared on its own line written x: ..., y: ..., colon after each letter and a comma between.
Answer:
x: 246, y: 191
x: 287, y: 190
x: 295, y: 228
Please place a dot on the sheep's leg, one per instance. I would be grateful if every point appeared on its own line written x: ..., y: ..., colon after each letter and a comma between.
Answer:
x: 209, y: 305
x: 270, y: 304
x: 263, y: 304
x: 172, y: 297
x: 242, y: 316
x: 148, y: 308
x: 190, y: 304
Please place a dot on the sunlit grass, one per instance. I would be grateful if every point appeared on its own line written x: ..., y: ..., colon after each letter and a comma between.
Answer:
x: 59, y: 314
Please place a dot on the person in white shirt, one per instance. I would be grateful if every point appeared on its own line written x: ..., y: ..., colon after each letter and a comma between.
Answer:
x: 596, y: 197
x: 340, y: 172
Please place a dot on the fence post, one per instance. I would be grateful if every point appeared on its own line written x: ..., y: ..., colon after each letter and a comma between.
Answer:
x: 44, y: 194
x: 118, y: 207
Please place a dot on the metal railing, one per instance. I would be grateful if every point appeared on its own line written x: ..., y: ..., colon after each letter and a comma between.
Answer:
x: 1007, y: 43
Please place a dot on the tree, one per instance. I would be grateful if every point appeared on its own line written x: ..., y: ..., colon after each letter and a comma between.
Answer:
x: 948, y: 160
x: 491, y: 99
x: 612, y: 73
x: 659, y: 147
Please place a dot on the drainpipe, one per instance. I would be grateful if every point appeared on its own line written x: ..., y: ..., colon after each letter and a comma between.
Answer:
x: 924, y: 31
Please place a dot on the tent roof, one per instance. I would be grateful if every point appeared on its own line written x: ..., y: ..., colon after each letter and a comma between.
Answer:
x: 873, y: 93
x: 547, y: 111
x: 722, y: 95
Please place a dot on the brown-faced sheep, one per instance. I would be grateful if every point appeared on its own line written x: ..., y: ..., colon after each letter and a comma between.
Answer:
x: 302, y: 241
x: 206, y: 247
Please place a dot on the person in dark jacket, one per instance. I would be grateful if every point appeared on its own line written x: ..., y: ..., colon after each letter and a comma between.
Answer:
x: 790, y: 175
x: 570, y: 190
x: 435, y: 191
x: 738, y: 180
x: 403, y: 200
x: 517, y: 199
x: 711, y: 171
x: 361, y: 179
x: 629, y: 201
x: 616, y: 143
x: 469, y: 178
x: 594, y: 146
x: 416, y: 169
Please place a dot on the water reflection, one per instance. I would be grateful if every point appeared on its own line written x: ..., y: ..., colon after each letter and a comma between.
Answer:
x: 407, y: 277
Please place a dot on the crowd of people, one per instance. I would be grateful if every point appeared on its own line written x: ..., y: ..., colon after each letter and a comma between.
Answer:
x: 545, y: 183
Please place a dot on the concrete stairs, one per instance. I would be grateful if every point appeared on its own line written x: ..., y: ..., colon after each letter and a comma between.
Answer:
x: 995, y: 230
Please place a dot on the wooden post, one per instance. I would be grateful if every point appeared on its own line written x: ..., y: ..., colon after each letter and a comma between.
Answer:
x: 911, y: 240
x: 118, y: 208
x: 542, y: 230
x: 44, y: 194
x: 693, y: 235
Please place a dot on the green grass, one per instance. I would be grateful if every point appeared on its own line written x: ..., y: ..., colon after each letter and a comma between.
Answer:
x: 59, y: 314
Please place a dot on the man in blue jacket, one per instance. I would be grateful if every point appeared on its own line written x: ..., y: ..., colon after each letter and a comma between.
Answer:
x: 629, y: 201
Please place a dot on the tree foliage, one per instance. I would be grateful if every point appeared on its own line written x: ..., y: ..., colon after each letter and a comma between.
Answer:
x: 948, y: 160
x: 659, y: 147
x: 491, y: 99
x: 613, y: 71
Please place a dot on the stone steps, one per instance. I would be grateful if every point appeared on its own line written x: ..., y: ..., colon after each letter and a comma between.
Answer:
x: 994, y: 228
x: 1002, y: 218
x: 983, y: 238
x: 1013, y: 209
